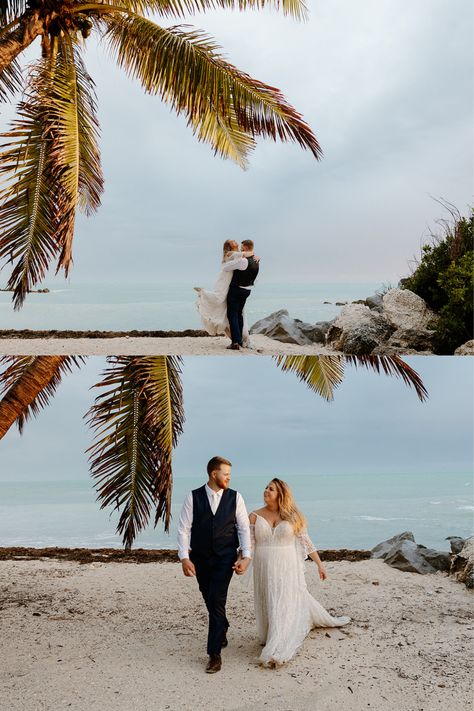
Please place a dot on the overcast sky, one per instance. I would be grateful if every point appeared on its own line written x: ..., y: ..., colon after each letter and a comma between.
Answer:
x: 268, y: 423
x: 386, y: 86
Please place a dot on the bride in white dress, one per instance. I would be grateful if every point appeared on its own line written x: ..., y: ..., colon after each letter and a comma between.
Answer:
x: 212, y: 305
x: 285, y: 611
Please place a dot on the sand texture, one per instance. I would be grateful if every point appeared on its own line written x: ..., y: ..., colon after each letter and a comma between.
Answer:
x: 126, y: 636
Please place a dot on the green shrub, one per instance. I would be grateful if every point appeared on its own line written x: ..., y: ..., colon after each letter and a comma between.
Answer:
x: 444, y: 279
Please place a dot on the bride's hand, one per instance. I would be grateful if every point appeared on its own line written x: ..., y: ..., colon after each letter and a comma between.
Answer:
x: 322, y: 572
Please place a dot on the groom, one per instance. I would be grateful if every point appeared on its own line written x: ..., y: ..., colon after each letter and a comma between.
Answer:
x: 212, y: 524
x: 240, y: 287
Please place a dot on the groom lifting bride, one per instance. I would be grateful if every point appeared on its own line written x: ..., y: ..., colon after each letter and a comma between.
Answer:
x: 222, y: 310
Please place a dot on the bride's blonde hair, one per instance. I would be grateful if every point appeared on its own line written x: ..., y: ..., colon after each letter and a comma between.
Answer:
x: 287, y: 508
x: 230, y: 245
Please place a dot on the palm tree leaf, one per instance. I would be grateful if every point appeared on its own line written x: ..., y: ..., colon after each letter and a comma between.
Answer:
x: 391, y: 365
x: 322, y: 374
x: 27, y: 385
x: 11, y: 80
x: 11, y: 9
x: 137, y: 420
x: 225, y: 136
x: 28, y: 199
x: 182, y: 8
x: 73, y: 119
x: 186, y: 70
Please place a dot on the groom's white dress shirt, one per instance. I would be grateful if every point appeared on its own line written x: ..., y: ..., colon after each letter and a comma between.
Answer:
x: 186, y: 521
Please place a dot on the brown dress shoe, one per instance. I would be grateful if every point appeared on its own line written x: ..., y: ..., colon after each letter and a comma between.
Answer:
x: 214, y: 664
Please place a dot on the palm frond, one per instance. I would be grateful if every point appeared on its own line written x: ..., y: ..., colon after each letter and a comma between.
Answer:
x: 27, y: 200
x: 322, y: 374
x: 72, y: 116
x: 137, y: 421
x: 391, y: 365
x: 11, y: 80
x: 187, y: 71
x: 181, y: 8
x: 27, y: 385
x: 11, y: 9
x: 224, y: 134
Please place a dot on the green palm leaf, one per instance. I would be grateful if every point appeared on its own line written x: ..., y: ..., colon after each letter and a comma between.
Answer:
x: 186, y: 70
x: 322, y: 374
x: 72, y: 115
x: 28, y: 206
x: 181, y: 8
x: 137, y: 421
x: 27, y: 385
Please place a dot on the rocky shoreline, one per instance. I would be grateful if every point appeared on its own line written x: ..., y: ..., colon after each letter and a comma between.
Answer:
x: 396, y: 323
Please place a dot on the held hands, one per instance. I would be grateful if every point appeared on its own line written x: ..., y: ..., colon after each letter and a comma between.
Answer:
x: 188, y: 568
x: 241, y: 565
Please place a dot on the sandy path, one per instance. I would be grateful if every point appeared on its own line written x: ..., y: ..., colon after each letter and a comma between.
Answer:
x: 128, y: 636
x: 261, y: 345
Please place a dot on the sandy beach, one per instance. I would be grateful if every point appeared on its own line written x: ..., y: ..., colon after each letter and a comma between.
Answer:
x: 103, y: 636
x: 187, y: 345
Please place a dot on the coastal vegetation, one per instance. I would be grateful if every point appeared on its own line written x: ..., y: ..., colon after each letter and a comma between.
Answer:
x: 50, y: 160
x: 139, y: 415
x: 444, y: 278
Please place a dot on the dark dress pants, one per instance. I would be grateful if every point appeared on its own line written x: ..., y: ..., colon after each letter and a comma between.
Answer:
x: 236, y: 298
x: 214, y: 575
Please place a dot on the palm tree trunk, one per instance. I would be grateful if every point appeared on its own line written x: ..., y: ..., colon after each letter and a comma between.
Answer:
x: 41, y: 372
x: 12, y: 44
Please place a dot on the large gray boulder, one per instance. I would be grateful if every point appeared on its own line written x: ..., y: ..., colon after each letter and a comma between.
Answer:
x: 466, y: 349
x: 412, y: 339
x: 358, y: 330
x: 382, y: 549
x: 281, y: 327
x: 462, y: 565
x: 375, y: 302
x: 403, y: 553
x: 405, y: 310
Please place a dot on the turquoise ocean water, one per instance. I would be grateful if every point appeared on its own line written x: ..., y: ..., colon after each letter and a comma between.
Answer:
x: 352, y: 510
x: 166, y: 306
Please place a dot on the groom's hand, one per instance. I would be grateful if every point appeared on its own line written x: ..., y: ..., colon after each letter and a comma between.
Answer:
x: 241, y: 565
x: 188, y: 568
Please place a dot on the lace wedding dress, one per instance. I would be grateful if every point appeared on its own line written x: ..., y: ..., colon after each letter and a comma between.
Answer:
x: 284, y: 609
x: 212, y: 305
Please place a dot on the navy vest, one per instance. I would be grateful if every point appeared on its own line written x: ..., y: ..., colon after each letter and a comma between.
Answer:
x: 245, y: 277
x: 214, y: 534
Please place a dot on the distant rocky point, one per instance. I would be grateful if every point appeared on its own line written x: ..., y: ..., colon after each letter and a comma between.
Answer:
x: 31, y: 291
x: 395, y: 323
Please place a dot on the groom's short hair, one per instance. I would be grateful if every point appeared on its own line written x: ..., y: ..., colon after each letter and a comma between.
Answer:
x: 215, y: 463
x: 248, y: 244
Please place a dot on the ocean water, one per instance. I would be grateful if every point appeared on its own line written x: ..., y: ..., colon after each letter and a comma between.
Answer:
x: 126, y: 307
x: 351, y: 510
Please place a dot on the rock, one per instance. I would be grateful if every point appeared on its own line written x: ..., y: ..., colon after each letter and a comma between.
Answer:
x: 456, y: 543
x: 315, y: 332
x: 375, y: 302
x: 462, y: 565
x: 406, y: 556
x: 384, y: 349
x: 410, y: 338
x: 282, y: 328
x: 358, y: 330
x: 466, y: 349
x: 403, y: 553
x: 327, y: 302
x: 405, y: 310
x: 381, y: 549
x: 341, y: 303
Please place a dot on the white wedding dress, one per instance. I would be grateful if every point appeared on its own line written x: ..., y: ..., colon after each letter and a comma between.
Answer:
x: 212, y: 305
x: 285, y: 611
